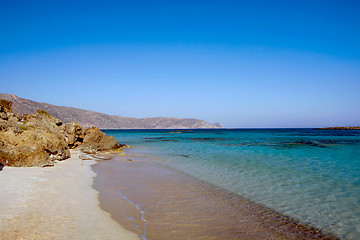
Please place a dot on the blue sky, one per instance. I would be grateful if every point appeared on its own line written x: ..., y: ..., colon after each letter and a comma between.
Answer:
x: 240, y: 63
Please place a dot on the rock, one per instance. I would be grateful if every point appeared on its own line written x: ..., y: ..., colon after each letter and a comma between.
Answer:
x: 90, y: 140
x: 74, y: 134
x: 102, y: 157
x: 89, y: 148
x: 40, y: 139
x: 3, y: 115
x: 31, y: 140
x: 97, y: 140
x: 85, y: 157
x: 5, y: 106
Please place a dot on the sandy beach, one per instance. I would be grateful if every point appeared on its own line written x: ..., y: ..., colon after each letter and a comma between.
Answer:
x: 54, y: 203
x: 138, y: 197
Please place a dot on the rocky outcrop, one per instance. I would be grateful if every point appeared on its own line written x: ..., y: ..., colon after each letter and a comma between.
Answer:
x: 30, y: 140
x: 39, y: 139
x: 103, y: 121
x: 90, y: 140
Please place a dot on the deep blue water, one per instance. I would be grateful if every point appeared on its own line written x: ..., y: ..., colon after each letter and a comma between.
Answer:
x: 308, y: 174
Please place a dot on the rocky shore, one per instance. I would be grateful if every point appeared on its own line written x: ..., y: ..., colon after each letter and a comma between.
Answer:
x: 41, y: 139
x: 54, y: 202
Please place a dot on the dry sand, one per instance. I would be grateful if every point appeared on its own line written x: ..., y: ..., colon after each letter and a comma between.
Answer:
x: 54, y: 203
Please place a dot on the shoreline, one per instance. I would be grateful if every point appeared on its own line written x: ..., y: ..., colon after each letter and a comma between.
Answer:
x: 157, y: 202
x: 54, y: 203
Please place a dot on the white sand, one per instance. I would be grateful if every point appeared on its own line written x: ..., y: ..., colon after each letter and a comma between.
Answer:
x: 54, y: 203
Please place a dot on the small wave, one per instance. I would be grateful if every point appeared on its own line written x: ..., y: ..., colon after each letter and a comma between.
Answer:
x: 143, y: 236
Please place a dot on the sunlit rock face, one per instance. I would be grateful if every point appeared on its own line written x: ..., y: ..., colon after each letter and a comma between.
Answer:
x: 39, y: 139
x: 31, y: 139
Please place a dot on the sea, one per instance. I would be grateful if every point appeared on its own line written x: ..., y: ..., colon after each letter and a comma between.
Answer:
x: 310, y: 175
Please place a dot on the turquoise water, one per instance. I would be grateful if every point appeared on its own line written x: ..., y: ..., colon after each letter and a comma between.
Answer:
x: 310, y: 175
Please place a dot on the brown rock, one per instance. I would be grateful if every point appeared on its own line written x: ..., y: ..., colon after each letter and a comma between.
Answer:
x: 39, y: 139
x: 31, y: 140
x: 108, y: 142
x: 74, y: 134
x: 90, y: 140
x: 3, y: 115
x: 97, y: 140
x: 5, y: 106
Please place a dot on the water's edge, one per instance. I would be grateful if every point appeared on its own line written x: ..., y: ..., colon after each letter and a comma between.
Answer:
x: 131, y: 208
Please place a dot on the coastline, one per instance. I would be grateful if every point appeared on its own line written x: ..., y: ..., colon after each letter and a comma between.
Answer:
x: 54, y: 203
x: 157, y: 202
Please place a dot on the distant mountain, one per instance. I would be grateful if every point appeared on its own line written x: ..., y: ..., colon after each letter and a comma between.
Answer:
x: 341, y: 128
x: 89, y: 118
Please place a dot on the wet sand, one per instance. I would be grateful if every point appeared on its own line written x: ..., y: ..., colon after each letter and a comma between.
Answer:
x: 160, y: 203
x: 54, y: 203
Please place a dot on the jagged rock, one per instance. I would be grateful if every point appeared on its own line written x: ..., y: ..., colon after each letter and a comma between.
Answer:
x: 40, y: 139
x: 3, y: 115
x: 74, y: 134
x: 90, y: 140
x: 95, y: 140
x: 5, y: 106
x: 31, y: 140
x: 95, y: 137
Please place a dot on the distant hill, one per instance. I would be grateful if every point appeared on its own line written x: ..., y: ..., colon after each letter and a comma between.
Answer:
x: 89, y: 118
x: 341, y: 128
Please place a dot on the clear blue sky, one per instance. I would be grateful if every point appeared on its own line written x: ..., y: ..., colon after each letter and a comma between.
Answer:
x: 240, y: 63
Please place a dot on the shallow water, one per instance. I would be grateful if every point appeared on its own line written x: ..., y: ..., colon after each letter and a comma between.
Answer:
x: 157, y: 202
x: 310, y: 175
